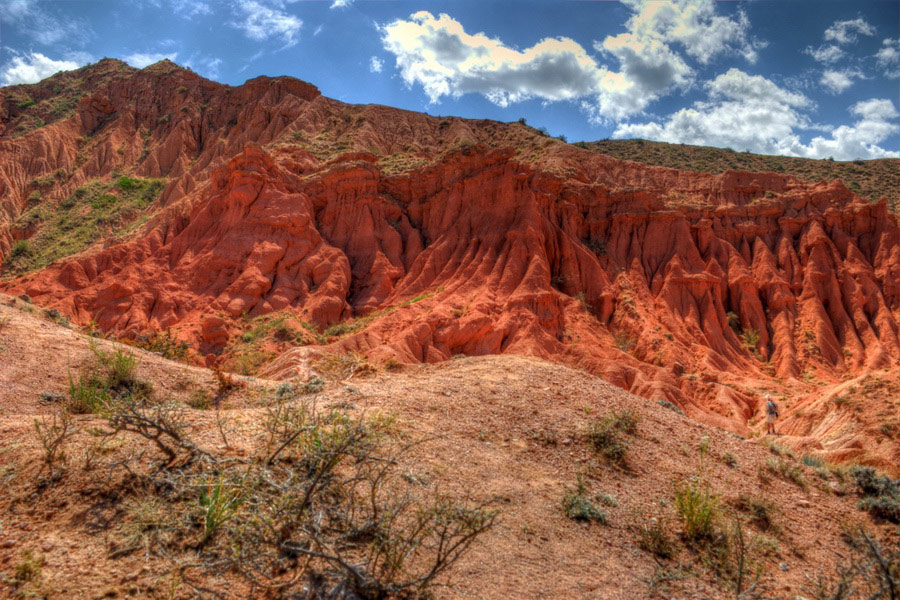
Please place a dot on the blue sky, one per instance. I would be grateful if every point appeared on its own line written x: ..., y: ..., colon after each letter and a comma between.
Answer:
x: 801, y: 78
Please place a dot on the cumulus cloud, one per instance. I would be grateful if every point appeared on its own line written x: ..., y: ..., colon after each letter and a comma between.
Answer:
x: 139, y: 60
x: 839, y: 81
x: 375, y: 64
x: 33, y: 67
x: 446, y: 61
x: 262, y: 20
x: 876, y: 120
x: 889, y: 57
x: 827, y: 53
x: 341, y: 3
x: 438, y: 54
x: 845, y: 32
x: 692, y: 24
x: 750, y: 112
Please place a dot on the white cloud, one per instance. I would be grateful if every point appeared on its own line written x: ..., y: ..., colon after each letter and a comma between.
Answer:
x: 31, y: 19
x: 446, y: 61
x: 889, y: 57
x: 691, y: 23
x: 318, y: 30
x: 839, y: 81
x: 845, y: 32
x: 752, y: 113
x: 341, y: 3
x: 139, y: 60
x: 438, y: 54
x: 375, y: 64
x: 188, y: 9
x: 32, y: 67
x: 877, y: 119
x: 204, y: 65
x: 16, y: 10
x: 262, y: 20
x: 828, y: 53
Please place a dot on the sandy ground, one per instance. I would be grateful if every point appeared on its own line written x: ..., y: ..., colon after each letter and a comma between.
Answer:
x: 507, y: 430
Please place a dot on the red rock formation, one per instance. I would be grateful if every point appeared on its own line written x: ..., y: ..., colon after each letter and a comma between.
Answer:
x: 644, y: 275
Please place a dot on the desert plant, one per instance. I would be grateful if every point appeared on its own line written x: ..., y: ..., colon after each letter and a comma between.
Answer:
x: 730, y: 458
x: 787, y: 470
x: 760, y: 511
x: 344, y: 366
x: 161, y: 423
x: 28, y: 570
x: 218, y: 503
x: 577, y: 505
x: 811, y: 460
x: 882, y: 507
x: 698, y: 509
x: 605, y: 435
x: 670, y: 406
x: 111, y: 378
x: 53, y: 433
x: 871, y: 572
x: 654, y: 538
x: 870, y: 483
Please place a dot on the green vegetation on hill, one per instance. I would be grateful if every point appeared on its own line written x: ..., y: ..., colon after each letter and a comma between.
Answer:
x: 96, y: 211
x: 870, y: 178
x: 24, y: 108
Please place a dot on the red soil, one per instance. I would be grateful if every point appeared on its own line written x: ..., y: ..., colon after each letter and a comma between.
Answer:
x: 501, y: 241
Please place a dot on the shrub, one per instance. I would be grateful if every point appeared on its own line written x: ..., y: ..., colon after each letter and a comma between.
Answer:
x: 882, y: 507
x: 750, y: 338
x: 670, y: 406
x: 52, y: 433
x: 110, y: 378
x: 27, y: 571
x: 605, y: 435
x: 811, y: 460
x: 164, y: 344
x: 730, y: 459
x: 606, y: 500
x: 127, y: 183
x: 871, y: 484
x: 870, y: 572
x: 88, y: 393
x: 787, y: 471
x: 698, y: 508
x: 881, y: 493
x: 20, y: 248
x: 761, y: 511
x: 577, y: 506
x: 780, y: 450
x: 655, y: 539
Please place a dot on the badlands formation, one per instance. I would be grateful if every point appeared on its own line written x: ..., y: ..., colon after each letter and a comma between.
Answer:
x: 290, y: 226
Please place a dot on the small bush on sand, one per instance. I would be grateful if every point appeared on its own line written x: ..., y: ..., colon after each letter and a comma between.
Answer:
x: 654, y: 537
x: 110, y: 378
x: 318, y: 509
x: 577, y: 505
x: 605, y: 435
x: 698, y: 509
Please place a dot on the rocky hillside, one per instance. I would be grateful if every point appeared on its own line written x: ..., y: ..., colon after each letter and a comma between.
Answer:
x: 588, y: 491
x: 874, y: 179
x: 267, y: 225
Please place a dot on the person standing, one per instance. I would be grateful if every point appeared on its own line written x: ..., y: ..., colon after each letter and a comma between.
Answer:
x: 771, y: 414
